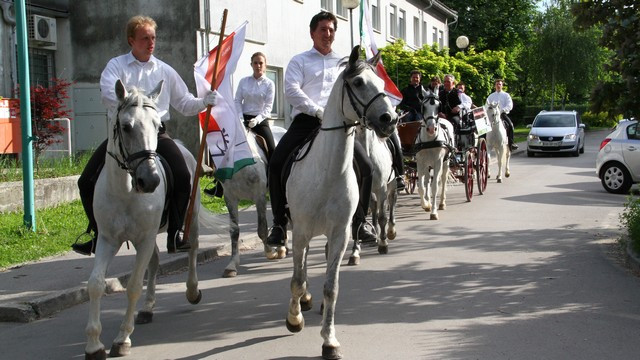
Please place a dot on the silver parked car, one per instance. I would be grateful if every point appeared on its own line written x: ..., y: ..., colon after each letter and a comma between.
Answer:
x: 556, y: 132
x: 618, y: 161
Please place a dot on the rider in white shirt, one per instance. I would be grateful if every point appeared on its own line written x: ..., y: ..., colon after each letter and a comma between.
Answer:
x: 506, y: 105
x: 308, y: 81
x: 465, y: 100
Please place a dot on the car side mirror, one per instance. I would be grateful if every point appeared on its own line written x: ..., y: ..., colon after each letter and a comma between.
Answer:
x: 529, y: 126
x: 583, y: 126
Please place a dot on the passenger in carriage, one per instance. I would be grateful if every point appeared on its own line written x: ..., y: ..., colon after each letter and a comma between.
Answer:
x: 450, y: 102
x: 465, y: 101
x: 506, y: 105
x: 141, y: 69
x: 412, y: 97
x: 309, y: 79
x: 435, y: 85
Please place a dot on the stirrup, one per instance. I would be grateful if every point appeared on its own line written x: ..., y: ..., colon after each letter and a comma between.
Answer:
x: 85, y: 248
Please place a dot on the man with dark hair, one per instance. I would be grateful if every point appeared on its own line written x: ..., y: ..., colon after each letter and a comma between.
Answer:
x: 412, y: 97
x: 506, y: 105
x: 435, y: 85
x: 309, y: 78
x: 450, y: 102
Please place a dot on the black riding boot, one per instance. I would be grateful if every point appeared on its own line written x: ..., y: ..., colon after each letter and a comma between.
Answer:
x: 398, y: 161
x: 360, y: 230
x: 509, y: 127
x: 86, y: 187
x: 177, y: 212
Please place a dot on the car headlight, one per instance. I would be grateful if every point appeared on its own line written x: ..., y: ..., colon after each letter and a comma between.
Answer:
x: 570, y: 137
x: 533, y: 137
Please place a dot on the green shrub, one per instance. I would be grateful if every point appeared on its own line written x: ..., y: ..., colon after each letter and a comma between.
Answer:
x: 630, y: 220
x: 599, y: 119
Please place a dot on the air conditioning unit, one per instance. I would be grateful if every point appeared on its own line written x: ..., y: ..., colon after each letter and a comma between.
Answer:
x: 42, y: 30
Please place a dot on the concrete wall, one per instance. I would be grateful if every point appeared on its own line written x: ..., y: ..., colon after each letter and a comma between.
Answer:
x: 47, y: 193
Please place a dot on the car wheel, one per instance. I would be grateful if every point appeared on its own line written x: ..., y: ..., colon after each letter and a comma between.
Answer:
x: 615, y: 178
x: 530, y: 154
x: 582, y: 148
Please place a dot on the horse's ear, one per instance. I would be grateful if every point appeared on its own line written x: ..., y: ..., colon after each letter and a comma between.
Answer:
x: 355, y: 55
x: 121, y: 92
x: 375, y: 60
x: 153, y: 95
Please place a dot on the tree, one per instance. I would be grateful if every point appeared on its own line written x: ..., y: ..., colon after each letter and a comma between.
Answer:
x: 492, y: 25
x: 620, y: 24
x: 562, y: 60
x: 47, y: 103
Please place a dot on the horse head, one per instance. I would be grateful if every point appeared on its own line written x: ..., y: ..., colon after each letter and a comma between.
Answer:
x: 135, y: 136
x: 493, y: 112
x: 365, y: 91
x: 430, y: 108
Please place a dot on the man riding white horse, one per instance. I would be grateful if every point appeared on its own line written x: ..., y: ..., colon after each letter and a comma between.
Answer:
x: 141, y: 69
x: 506, y: 105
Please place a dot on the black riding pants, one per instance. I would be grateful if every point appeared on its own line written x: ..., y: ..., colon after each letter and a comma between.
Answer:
x: 508, y: 124
x: 263, y: 130
x: 298, y: 131
x: 168, y: 149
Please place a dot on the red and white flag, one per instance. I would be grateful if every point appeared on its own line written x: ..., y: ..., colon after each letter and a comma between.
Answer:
x: 226, y: 137
x: 369, y: 44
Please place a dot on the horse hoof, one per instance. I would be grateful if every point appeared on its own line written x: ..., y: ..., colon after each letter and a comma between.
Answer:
x: 442, y: 207
x: 354, y: 260
x: 228, y: 273
x: 98, y: 355
x: 426, y: 208
x: 391, y: 235
x: 295, y: 328
x: 144, y: 317
x: 197, y: 299
x: 499, y: 181
x: 382, y: 250
x: 120, y: 349
x: 433, y: 217
x: 271, y: 255
x: 282, y: 252
x: 306, y: 305
x: 331, y: 352
x: 507, y: 174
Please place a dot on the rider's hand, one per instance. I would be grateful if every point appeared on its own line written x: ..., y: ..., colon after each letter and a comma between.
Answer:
x: 255, y: 121
x: 320, y: 114
x: 211, y: 98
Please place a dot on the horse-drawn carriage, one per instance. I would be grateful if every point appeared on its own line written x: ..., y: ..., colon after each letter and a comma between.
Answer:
x: 467, y: 155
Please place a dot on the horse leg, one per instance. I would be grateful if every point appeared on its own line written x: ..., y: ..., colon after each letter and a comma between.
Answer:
x: 383, y: 245
x: 392, y: 199
x: 194, y: 295
x: 443, y: 188
x: 105, y: 253
x: 501, y: 156
x: 435, y: 186
x: 337, y: 246
x: 354, y: 259
x: 234, y: 231
x: 145, y: 315
x: 295, y: 320
x: 263, y: 228
x: 488, y: 162
x: 423, y: 177
x: 122, y: 344
x: 507, y: 173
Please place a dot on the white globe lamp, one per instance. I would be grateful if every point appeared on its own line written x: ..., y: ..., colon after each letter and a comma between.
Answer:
x: 462, y: 42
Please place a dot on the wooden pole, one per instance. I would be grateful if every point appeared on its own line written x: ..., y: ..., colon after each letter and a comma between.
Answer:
x: 203, y: 140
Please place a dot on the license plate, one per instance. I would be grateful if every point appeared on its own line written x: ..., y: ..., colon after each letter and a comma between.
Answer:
x: 551, y: 143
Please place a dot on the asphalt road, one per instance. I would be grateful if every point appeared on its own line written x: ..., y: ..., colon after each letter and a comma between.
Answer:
x: 527, y: 271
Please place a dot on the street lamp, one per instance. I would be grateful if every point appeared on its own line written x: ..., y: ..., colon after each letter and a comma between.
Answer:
x: 462, y: 42
x: 351, y: 4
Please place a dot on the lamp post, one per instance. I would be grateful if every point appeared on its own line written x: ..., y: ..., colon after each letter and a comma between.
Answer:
x: 462, y: 42
x: 351, y: 4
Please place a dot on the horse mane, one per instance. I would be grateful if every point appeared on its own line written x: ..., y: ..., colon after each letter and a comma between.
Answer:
x: 133, y: 96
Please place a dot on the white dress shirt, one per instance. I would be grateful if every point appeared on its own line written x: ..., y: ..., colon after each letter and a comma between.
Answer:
x: 255, y: 97
x: 503, y: 99
x: 465, y: 101
x: 146, y: 76
x: 309, y: 79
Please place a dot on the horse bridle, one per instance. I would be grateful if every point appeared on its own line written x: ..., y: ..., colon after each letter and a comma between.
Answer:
x: 127, y: 159
x: 353, y: 99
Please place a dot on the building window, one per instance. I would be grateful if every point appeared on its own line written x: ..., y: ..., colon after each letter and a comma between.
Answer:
x: 41, y: 66
x: 402, y: 25
x: 416, y: 32
x: 441, y: 39
x: 341, y: 10
x: 275, y: 75
x: 375, y: 14
x: 425, y: 30
x: 434, y: 40
x: 393, y: 21
x: 327, y: 5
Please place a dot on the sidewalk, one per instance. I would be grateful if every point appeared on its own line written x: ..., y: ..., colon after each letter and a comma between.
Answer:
x: 37, y: 290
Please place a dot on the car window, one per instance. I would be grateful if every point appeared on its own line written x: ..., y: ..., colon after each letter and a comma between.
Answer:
x: 555, y: 120
x: 633, y: 132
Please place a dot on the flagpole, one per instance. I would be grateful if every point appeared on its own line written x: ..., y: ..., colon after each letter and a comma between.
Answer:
x: 203, y: 140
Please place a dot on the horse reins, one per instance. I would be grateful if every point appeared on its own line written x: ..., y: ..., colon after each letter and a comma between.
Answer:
x: 353, y: 99
x: 127, y: 159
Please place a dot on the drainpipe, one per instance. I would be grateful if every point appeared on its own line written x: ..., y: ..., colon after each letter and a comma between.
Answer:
x: 11, y: 21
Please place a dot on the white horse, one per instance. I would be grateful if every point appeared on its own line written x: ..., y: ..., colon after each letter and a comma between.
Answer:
x: 249, y: 183
x: 322, y: 190
x: 128, y: 206
x: 497, y: 140
x: 383, y: 191
x: 434, y: 140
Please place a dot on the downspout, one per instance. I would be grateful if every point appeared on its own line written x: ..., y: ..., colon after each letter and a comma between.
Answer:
x: 11, y: 21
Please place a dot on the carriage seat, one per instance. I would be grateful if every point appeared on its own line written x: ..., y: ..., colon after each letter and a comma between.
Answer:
x: 408, y: 132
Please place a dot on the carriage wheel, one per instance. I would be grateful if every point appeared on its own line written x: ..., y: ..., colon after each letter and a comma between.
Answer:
x: 482, y: 166
x: 468, y: 176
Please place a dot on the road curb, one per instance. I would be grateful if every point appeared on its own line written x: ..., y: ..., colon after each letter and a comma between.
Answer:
x: 50, y: 304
